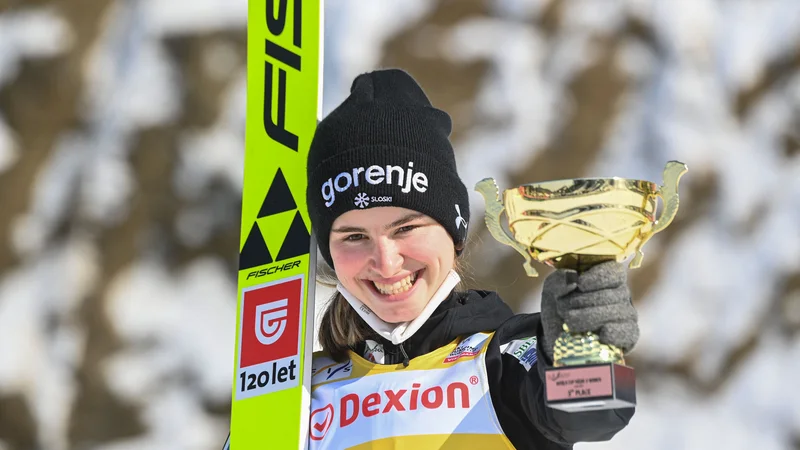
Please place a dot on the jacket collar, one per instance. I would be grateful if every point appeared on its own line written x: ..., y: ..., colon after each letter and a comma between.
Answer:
x: 460, y: 314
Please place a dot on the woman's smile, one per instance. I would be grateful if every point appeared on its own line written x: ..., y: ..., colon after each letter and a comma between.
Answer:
x: 395, y: 291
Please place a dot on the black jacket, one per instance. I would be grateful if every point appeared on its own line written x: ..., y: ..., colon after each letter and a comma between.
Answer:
x: 517, y: 395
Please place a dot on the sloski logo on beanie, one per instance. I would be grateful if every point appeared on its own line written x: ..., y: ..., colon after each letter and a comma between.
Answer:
x: 406, y: 179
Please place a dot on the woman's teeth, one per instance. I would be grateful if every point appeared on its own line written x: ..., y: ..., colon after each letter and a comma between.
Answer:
x: 398, y: 287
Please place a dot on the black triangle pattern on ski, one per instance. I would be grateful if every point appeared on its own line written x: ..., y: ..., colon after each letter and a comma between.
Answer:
x: 279, y: 198
x: 255, y: 252
x: 296, y: 242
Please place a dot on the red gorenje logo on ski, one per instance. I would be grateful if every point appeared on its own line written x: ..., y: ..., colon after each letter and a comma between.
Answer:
x: 353, y: 406
x: 269, y: 356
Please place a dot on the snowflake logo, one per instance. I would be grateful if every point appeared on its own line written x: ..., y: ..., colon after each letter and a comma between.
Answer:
x: 361, y: 200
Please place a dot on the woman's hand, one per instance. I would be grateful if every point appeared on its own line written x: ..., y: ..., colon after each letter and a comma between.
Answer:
x: 596, y: 300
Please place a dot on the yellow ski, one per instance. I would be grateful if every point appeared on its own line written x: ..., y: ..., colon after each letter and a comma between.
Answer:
x: 275, y: 311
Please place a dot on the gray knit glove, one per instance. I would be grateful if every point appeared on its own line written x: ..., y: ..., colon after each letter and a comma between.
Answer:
x: 596, y: 300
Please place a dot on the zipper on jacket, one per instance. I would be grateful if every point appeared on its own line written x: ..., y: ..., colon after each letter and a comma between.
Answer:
x: 405, y: 355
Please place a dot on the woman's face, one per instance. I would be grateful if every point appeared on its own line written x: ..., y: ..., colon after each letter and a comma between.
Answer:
x: 392, y: 259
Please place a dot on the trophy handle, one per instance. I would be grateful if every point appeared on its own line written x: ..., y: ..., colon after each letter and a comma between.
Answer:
x: 668, y: 192
x: 494, y: 209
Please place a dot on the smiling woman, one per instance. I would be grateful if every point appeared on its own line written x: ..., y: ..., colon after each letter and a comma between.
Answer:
x: 392, y: 260
x: 407, y: 359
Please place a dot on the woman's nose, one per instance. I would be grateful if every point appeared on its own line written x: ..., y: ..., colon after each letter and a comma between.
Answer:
x: 387, y: 257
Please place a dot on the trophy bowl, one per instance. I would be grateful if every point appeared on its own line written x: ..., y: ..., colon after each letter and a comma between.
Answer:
x: 576, y: 223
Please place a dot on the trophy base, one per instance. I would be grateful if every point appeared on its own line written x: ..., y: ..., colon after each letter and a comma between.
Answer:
x: 590, y: 387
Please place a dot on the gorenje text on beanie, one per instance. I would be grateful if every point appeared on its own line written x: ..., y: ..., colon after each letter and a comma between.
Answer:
x: 374, y: 174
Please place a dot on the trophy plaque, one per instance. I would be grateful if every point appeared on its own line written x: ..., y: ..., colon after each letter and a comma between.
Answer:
x: 575, y: 224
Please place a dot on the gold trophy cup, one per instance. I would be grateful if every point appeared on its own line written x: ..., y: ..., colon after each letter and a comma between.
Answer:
x: 575, y: 224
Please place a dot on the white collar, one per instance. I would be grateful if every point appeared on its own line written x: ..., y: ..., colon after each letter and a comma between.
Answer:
x: 398, y: 333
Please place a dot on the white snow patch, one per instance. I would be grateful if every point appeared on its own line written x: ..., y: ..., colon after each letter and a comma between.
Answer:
x: 201, y: 16
x: 41, y: 342
x: 106, y: 186
x: 588, y: 16
x: 31, y: 33
x: 52, y: 197
x: 186, y: 321
x: 688, y: 29
x: 368, y: 23
x: 636, y: 60
x: 134, y: 82
x: 217, y: 152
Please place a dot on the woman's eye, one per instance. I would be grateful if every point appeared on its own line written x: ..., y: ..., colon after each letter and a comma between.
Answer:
x: 354, y: 237
x: 406, y: 228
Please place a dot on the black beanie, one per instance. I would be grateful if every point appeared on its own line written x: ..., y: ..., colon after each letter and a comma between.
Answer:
x: 385, y: 145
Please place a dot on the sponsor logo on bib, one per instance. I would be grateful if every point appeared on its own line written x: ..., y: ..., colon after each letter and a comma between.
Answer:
x: 470, y: 346
x: 352, y: 407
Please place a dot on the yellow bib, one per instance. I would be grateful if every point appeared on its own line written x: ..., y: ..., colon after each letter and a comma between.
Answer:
x: 440, y: 401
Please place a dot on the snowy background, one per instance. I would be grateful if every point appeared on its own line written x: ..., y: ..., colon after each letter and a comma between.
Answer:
x: 121, y: 137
